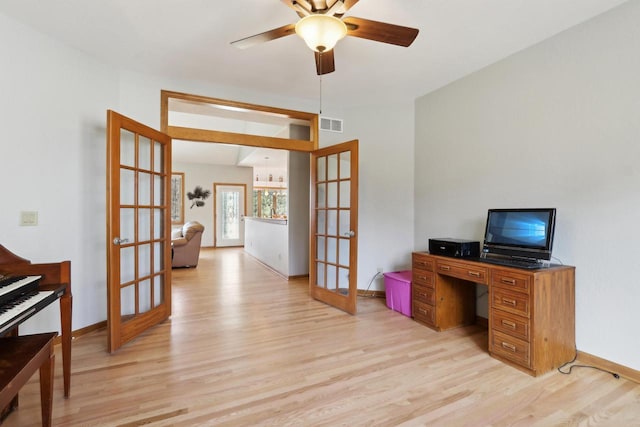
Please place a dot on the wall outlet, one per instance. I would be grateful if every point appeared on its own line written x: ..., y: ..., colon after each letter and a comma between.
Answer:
x: 379, y: 270
x: 29, y: 218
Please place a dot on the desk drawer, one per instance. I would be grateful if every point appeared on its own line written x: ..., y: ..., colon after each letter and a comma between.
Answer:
x: 461, y: 271
x: 510, y: 324
x: 511, y: 348
x: 422, y: 261
x: 513, y: 302
x: 423, y: 278
x: 511, y: 280
x: 424, y: 294
x: 424, y: 313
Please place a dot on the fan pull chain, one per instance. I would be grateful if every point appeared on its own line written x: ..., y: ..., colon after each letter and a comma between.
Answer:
x: 320, y: 94
x: 320, y: 78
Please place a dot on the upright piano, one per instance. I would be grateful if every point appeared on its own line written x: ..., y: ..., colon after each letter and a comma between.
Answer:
x: 53, y: 283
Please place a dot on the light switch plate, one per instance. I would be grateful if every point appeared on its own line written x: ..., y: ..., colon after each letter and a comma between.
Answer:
x: 29, y: 218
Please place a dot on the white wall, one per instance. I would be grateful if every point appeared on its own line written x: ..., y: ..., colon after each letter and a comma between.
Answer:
x: 268, y: 241
x: 205, y: 176
x: 386, y: 180
x: 298, y: 222
x: 53, y: 108
x: 556, y: 125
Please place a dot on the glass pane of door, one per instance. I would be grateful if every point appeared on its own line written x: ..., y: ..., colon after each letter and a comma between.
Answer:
x: 230, y: 211
x: 137, y: 219
x: 231, y: 214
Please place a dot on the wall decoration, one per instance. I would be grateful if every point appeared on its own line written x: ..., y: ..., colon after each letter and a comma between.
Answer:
x: 198, y: 196
x: 177, y: 197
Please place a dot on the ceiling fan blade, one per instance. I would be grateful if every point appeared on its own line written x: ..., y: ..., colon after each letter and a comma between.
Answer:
x: 380, y: 31
x: 324, y: 62
x: 276, y: 33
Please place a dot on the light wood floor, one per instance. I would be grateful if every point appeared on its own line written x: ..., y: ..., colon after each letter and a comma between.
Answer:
x: 246, y: 348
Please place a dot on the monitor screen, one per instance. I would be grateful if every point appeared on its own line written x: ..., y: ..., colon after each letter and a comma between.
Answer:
x: 520, y: 232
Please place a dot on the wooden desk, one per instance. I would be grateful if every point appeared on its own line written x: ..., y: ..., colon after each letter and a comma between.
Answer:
x: 20, y: 357
x: 531, y: 312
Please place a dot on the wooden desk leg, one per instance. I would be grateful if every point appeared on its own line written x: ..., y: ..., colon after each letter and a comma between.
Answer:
x: 46, y: 387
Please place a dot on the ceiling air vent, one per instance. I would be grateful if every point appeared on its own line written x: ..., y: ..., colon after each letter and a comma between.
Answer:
x: 332, y: 125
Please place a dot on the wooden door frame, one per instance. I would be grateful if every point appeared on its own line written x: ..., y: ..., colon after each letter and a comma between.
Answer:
x: 220, y: 137
x: 212, y: 136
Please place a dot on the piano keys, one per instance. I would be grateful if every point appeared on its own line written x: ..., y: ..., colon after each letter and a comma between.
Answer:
x: 12, y: 287
x: 18, y: 310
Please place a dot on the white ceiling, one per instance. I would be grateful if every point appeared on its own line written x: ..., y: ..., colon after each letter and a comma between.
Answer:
x: 190, y: 39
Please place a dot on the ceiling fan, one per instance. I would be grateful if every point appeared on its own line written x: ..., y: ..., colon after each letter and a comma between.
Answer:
x: 321, y: 26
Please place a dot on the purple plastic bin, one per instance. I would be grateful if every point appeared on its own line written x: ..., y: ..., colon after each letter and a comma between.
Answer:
x: 398, y: 291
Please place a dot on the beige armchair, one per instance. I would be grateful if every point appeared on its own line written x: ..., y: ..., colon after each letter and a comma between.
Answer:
x: 185, y: 244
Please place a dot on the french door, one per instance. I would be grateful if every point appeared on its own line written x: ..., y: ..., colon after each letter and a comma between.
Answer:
x: 138, y: 228
x: 334, y: 221
x: 230, y: 202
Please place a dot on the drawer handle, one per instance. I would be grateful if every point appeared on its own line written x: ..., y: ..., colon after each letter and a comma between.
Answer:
x: 508, y: 301
x: 508, y: 346
x: 421, y: 263
x: 508, y: 281
x: 445, y: 267
x: 474, y: 273
x: 422, y: 278
x: 422, y: 294
x: 423, y: 311
x: 509, y: 324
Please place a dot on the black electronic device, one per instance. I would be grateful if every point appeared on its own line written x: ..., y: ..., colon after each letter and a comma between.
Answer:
x: 520, y: 233
x: 457, y: 248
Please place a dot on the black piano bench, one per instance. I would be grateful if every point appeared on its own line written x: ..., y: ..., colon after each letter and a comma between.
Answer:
x: 20, y: 358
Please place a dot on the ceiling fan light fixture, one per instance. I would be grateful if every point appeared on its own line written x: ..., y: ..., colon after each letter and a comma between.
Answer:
x: 321, y: 32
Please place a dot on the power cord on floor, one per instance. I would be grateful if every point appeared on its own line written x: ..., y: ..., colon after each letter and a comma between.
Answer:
x: 375, y: 276
x: 616, y: 376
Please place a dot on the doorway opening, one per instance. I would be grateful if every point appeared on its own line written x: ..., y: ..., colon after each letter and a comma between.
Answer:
x: 196, y: 118
x: 264, y: 148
